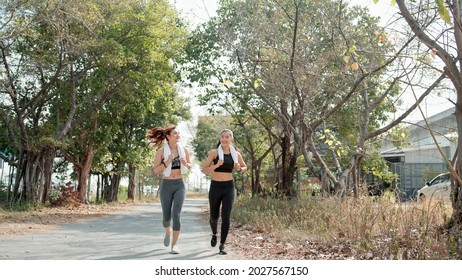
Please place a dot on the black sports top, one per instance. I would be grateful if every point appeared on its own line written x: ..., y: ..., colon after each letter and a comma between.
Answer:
x: 176, y: 163
x: 227, y: 166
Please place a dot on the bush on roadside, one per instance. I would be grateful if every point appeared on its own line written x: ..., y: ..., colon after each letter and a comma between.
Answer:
x: 65, y: 197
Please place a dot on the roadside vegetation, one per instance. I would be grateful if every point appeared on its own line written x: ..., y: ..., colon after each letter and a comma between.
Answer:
x: 377, y: 228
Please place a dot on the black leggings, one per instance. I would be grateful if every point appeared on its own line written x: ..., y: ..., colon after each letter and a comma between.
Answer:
x: 221, y: 193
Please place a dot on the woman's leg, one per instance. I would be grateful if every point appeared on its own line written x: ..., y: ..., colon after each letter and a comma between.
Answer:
x: 178, y: 200
x: 166, y: 200
x: 226, y: 207
x: 214, y: 203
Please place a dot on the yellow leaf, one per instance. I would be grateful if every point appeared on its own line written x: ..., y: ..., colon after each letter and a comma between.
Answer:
x: 256, y: 83
x: 403, y: 135
x: 443, y: 11
x: 225, y: 83
x: 382, y: 38
x: 376, y: 1
x: 346, y: 58
x: 352, y: 49
x: 393, y: 2
x: 355, y: 66
x: 376, y: 33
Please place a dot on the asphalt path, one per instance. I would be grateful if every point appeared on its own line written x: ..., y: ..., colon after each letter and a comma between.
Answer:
x: 133, y: 235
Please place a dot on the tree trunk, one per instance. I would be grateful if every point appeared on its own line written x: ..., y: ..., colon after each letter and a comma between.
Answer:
x: 82, y: 165
x: 256, y: 182
x: 114, y: 188
x: 33, y: 177
x: 288, y: 167
x: 48, y: 155
x: 106, y: 186
x: 455, y: 224
x: 98, y: 188
x: 131, y: 182
x: 111, y: 192
x: 83, y: 170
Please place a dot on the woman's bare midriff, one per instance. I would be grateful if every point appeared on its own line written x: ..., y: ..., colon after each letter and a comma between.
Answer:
x: 175, y: 174
x: 222, y: 176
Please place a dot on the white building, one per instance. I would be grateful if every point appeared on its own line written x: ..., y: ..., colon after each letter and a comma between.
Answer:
x: 422, y: 160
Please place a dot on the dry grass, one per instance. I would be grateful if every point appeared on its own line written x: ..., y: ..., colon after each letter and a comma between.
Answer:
x: 197, y: 195
x: 380, y: 229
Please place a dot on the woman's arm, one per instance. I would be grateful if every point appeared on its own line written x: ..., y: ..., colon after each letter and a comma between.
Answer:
x: 186, y: 160
x: 160, y: 166
x: 241, y: 167
x: 208, y: 168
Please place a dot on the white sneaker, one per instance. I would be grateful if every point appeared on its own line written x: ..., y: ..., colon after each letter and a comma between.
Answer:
x: 175, y: 250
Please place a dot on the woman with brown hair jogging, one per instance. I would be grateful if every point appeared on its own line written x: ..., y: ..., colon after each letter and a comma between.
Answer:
x: 172, y: 159
x: 220, y: 163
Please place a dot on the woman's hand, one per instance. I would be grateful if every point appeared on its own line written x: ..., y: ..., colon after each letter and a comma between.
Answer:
x: 218, y: 164
x: 185, y: 162
x: 169, y: 160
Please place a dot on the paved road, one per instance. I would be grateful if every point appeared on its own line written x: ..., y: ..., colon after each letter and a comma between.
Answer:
x: 135, y: 235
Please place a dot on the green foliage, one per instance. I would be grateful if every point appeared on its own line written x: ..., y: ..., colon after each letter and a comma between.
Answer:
x: 376, y: 165
x: 206, y: 138
x: 443, y: 11
x: 333, y: 143
x: 94, y: 76
x: 399, y: 136
x: 253, y: 63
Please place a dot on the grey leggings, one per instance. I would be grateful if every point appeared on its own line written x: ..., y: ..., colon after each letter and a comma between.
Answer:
x: 172, y: 194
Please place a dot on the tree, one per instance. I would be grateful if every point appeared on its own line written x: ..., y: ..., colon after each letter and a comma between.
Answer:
x: 149, y: 37
x: 41, y: 66
x: 448, y: 50
x: 62, y: 62
x: 316, y: 66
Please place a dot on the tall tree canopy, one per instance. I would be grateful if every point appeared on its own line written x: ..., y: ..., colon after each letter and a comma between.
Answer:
x: 71, y: 70
x: 325, y: 72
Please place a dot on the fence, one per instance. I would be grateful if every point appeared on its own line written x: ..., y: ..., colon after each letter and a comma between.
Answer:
x: 413, y: 176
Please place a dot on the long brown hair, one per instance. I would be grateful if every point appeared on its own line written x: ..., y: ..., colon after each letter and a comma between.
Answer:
x: 157, y: 135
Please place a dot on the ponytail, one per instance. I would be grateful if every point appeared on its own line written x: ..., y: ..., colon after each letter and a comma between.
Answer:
x: 157, y: 135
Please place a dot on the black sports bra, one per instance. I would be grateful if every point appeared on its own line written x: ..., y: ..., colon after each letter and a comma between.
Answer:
x: 176, y: 164
x: 227, y: 166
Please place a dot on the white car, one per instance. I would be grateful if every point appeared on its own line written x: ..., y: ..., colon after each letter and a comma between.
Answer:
x: 439, y: 188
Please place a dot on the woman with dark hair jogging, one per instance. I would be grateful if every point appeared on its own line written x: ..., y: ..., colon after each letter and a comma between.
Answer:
x: 173, y: 161
x: 220, y: 163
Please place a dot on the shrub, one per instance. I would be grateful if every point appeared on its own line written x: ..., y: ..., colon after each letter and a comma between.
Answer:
x: 66, y: 197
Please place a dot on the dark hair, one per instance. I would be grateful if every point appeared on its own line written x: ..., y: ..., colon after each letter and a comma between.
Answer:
x: 230, y: 133
x: 157, y: 135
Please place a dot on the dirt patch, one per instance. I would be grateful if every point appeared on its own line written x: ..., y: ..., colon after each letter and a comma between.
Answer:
x: 20, y: 223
